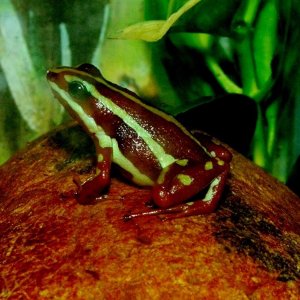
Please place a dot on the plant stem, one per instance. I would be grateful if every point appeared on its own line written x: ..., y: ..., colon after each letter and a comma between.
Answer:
x: 228, y: 85
x: 260, y: 156
x: 245, y: 16
x: 246, y: 62
x: 272, y: 117
x: 242, y: 27
x: 265, y: 41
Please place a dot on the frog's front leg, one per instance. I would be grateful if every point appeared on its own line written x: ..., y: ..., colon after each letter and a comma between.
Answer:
x: 184, y: 179
x: 94, y: 186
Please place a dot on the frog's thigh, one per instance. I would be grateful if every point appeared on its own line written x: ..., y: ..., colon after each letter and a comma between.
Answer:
x: 204, y: 206
x: 182, y: 180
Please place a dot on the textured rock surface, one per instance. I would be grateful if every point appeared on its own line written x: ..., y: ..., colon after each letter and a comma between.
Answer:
x: 52, y: 247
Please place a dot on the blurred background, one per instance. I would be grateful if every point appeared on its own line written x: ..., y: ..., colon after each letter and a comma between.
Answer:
x: 229, y: 68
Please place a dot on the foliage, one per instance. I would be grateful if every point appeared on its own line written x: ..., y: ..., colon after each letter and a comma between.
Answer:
x: 194, y: 49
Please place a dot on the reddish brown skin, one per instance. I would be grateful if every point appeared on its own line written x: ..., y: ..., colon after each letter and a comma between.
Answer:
x: 171, y: 194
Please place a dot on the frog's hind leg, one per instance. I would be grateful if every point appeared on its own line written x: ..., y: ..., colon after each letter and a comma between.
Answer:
x: 199, y: 207
x: 169, y: 194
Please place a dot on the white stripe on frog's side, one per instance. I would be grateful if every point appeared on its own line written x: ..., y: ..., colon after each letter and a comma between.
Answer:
x: 87, y: 120
x: 158, y: 151
x: 127, y: 165
x: 103, y: 139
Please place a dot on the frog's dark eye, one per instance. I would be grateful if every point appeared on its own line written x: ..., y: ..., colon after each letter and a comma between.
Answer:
x: 78, y: 90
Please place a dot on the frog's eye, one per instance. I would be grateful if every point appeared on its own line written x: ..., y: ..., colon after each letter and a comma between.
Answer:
x: 78, y: 90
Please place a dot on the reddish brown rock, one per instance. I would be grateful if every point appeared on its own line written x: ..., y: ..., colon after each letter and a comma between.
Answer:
x: 54, y: 248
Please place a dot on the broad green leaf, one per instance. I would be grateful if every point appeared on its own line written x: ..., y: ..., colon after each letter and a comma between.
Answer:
x: 153, y: 31
x: 30, y: 91
x: 121, y: 59
x: 133, y: 63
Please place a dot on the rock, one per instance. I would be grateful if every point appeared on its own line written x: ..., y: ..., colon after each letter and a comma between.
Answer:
x: 54, y: 248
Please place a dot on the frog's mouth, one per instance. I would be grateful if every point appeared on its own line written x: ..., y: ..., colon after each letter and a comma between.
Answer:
x: 56, y: 76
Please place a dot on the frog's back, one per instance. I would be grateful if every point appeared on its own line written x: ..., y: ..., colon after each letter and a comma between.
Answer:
x: 139, y: 117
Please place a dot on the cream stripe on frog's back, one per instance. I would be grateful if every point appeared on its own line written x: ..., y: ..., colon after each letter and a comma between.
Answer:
x: 105, y: 140
x: 158, y: 151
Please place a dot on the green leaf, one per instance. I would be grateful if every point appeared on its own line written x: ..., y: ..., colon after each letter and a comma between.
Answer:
x: 30, y: 91
x: 14, y: 133
x: 135, y: 64
x: 153, y: 31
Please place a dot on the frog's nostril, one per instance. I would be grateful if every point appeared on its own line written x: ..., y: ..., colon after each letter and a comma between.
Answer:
x: 51, y: 75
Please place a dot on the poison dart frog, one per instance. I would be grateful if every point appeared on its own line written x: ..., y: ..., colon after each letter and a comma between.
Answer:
x: 150, y: 147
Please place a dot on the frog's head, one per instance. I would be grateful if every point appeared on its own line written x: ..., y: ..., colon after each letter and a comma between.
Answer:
x: 75, y: 88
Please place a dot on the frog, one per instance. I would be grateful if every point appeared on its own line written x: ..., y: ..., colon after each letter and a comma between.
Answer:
x: 149, y: 147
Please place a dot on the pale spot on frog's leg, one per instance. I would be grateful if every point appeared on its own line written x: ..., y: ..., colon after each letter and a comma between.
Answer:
x: 213, y: 153
x: 162, y: 176
x: 220, y: 162
x: 185, y: 179
x: 208, y: 166
x: 100, y: 158
x: 182, y: 162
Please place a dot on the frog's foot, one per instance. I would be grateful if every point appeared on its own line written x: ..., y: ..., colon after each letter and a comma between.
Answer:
x: 90, y: 191
x: 205, y: 206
